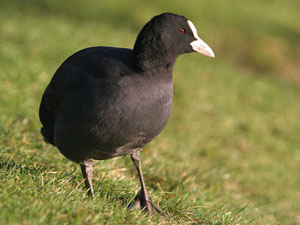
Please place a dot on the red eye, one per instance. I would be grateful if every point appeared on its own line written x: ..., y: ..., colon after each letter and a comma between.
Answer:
x: 181, y: 30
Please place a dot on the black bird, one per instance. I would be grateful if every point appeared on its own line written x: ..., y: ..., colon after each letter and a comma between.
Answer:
x: 106, y: 102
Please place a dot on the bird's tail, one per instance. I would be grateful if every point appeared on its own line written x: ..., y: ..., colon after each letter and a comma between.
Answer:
x: 48, y: 135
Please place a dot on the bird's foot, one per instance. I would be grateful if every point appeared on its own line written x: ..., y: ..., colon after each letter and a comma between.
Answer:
x: 147, y: 206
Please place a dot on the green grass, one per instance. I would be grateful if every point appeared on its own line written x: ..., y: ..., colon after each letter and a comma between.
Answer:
x: 230, y: 152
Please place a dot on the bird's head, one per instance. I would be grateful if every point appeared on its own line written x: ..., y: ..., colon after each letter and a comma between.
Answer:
x: 170, y: 35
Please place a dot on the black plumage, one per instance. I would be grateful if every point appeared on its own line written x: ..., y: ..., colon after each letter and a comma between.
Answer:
x: 105, y: 102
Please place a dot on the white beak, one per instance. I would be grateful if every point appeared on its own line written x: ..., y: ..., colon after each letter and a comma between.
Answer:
x: 198, y: 45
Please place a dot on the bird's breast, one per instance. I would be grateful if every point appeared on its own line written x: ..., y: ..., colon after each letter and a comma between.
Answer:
x: 137, y: 111
x: 113, y: 119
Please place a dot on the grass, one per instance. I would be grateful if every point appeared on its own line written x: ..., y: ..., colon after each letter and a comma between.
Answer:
x: 230, y: 152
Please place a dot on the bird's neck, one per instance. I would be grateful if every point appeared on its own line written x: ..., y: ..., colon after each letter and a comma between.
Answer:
x: 148, y: 60
x: 151, y: 53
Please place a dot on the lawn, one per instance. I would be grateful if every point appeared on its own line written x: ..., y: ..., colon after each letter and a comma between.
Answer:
x: 230, y: 153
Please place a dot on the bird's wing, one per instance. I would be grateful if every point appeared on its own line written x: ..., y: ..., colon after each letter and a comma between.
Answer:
x: 96, y: 62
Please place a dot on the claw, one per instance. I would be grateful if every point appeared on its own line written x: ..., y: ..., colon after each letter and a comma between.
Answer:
x: 139, y: 203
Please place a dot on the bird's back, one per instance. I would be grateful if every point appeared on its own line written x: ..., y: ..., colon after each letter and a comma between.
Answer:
x: 96, y: 63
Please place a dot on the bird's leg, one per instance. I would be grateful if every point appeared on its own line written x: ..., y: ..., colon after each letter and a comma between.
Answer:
x: 143, y: 197
x: 136, y: 158
x: 87, y: 173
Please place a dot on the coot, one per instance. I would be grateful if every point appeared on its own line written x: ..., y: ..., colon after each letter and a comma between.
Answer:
x: 105, y: 102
